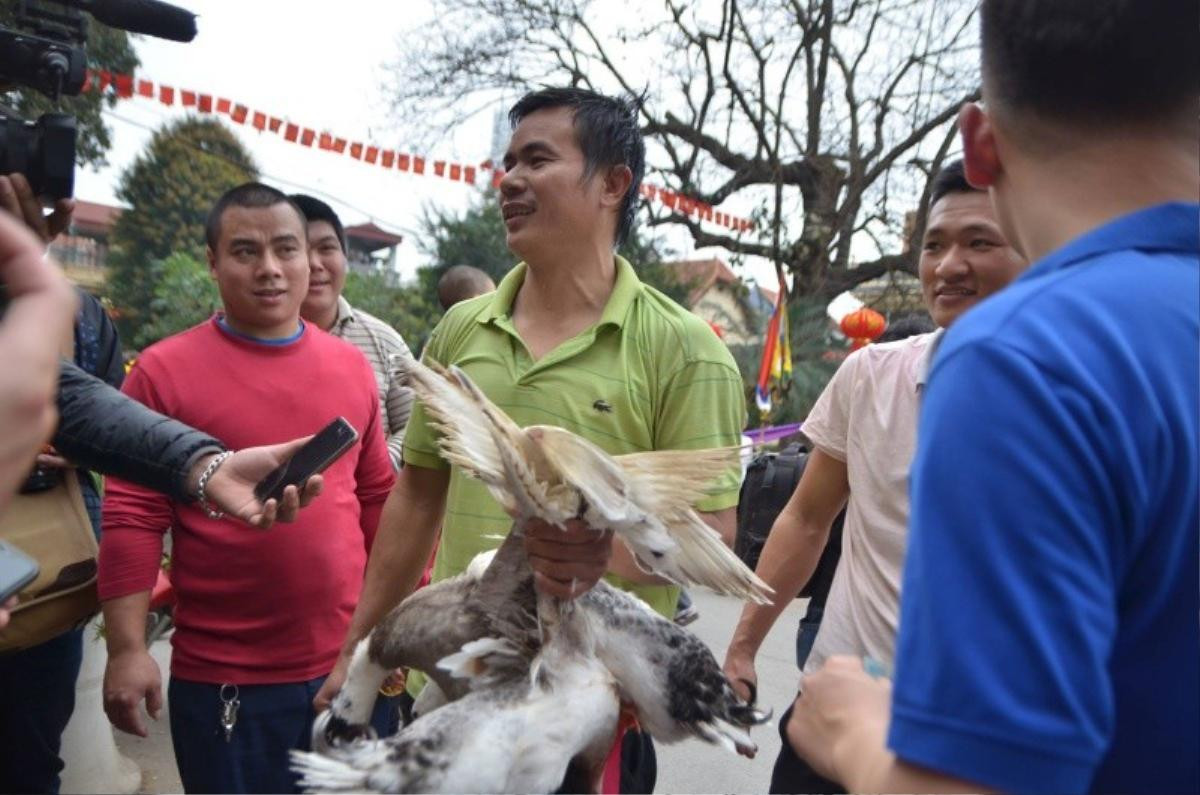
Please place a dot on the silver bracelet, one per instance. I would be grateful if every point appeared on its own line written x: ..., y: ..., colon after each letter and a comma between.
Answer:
x: 201, y: 497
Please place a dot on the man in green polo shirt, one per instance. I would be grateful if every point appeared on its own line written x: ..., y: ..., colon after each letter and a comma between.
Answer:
x: 570, y: 338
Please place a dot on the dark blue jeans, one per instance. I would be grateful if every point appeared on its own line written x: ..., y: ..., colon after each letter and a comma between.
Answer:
x: 806, y: 634
x: 271, y: 720
x: 37, y: 697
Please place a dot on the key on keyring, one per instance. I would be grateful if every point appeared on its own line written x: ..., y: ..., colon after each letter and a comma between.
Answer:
x: 229, y: 709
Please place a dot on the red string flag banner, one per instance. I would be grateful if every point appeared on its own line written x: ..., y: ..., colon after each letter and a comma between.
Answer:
x: 126, y: 86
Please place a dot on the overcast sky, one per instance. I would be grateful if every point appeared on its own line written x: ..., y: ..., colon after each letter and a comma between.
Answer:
x: 319, y: 65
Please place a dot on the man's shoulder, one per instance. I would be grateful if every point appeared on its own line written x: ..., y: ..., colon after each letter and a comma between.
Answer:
x: 380, y: 328
x: 669, y: 330
x: 182, y: 344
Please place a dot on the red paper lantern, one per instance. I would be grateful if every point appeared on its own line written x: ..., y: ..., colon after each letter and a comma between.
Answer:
x: 863, y: 326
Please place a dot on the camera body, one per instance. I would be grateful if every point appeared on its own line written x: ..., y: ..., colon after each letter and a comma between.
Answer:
x: 49, y: 58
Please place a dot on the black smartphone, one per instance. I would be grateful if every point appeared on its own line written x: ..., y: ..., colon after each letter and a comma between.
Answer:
x: 16, y: 570
x: 315, y: 456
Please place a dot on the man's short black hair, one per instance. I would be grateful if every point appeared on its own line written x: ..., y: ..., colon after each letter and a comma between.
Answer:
x: 607, y: 131
x: 461, y: 282
x: 313, y: 209
x: 1105, y: 62
x: 950, y: 179
x: 907, y: 325
x: 248, y: 194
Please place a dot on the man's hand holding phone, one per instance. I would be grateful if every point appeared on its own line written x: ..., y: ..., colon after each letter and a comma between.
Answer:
x: 231, y: 487
x: 262, y: 485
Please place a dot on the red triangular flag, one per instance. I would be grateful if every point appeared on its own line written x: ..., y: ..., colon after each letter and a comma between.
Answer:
x: 439, y: 167
x: 273, y: 124
x: 455, y: 172
x: 145, y: 88
x: 292, y: 132
x: 223, y: 105
x: 469, y: 175
x: 306, y: 137
x: 372, y: 154
x: 418, y: 165
x: 325, y: 141
x: 388, y: 158
x: 166, y: 95
x: 402, y: 163
x: 339, y: 145
x: 188, y: 98
x: 356, y: 150
x: 205, y: 103
x: 497, y: 176
x: 259, y: 121
x: 239, y: 113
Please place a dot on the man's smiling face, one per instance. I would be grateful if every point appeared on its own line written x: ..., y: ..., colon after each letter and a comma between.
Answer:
x: 964, y: 256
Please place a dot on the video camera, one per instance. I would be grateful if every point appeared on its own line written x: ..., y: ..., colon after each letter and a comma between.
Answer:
x: 48, y: 55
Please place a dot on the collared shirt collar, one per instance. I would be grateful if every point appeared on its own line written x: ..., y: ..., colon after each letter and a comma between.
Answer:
x: 1163, y: 227
x: 345, y: 313
x: 926, y: 362
x: 625, y: 290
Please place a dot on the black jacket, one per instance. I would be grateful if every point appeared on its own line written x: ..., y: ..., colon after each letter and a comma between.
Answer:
x: 104, y: 430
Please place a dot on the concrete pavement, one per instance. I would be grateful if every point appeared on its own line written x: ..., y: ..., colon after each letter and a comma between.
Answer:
x: 690, y: 766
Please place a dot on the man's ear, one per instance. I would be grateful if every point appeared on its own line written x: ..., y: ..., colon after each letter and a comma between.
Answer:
x: 212, y: 262
x: 616, y: 185
x: 981, y: 159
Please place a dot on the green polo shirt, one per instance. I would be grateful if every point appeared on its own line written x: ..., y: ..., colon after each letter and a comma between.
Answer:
x: 648, y: 376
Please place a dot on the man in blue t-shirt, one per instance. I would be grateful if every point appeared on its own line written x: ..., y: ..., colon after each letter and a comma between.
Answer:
x: 1049, y: 636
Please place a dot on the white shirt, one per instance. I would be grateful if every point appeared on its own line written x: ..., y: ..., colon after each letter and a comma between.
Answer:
x: 867, y: 418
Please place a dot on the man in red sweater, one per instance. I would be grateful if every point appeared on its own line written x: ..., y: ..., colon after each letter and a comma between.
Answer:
x: 261, y: 614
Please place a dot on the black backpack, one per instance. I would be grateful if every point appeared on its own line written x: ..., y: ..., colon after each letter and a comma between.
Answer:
x: 770, y: 480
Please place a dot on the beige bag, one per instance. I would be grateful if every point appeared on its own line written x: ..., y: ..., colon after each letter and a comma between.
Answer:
x: 53, y: 528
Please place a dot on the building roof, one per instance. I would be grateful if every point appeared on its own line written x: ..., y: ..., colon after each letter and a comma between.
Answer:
x: 374, y: 237
x: 95, y: 217
x: 699, y: 275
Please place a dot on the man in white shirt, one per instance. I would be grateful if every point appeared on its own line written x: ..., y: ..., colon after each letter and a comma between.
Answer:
x: 863, y: 432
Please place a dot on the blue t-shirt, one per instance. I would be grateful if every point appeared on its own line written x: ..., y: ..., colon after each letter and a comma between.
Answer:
x: 1050, y: 618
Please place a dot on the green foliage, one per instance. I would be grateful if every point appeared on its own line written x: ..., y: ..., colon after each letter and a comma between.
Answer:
x: 169, y: 189
x: 477, y: 238
x: 107, y: 48
x: 184, y: 296
x: 406, y: 309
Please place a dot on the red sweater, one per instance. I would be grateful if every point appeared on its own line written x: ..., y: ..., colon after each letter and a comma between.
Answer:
x: 255, y: 606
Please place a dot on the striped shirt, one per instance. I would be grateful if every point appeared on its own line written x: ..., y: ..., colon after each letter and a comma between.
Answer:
x: 379, y: 342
